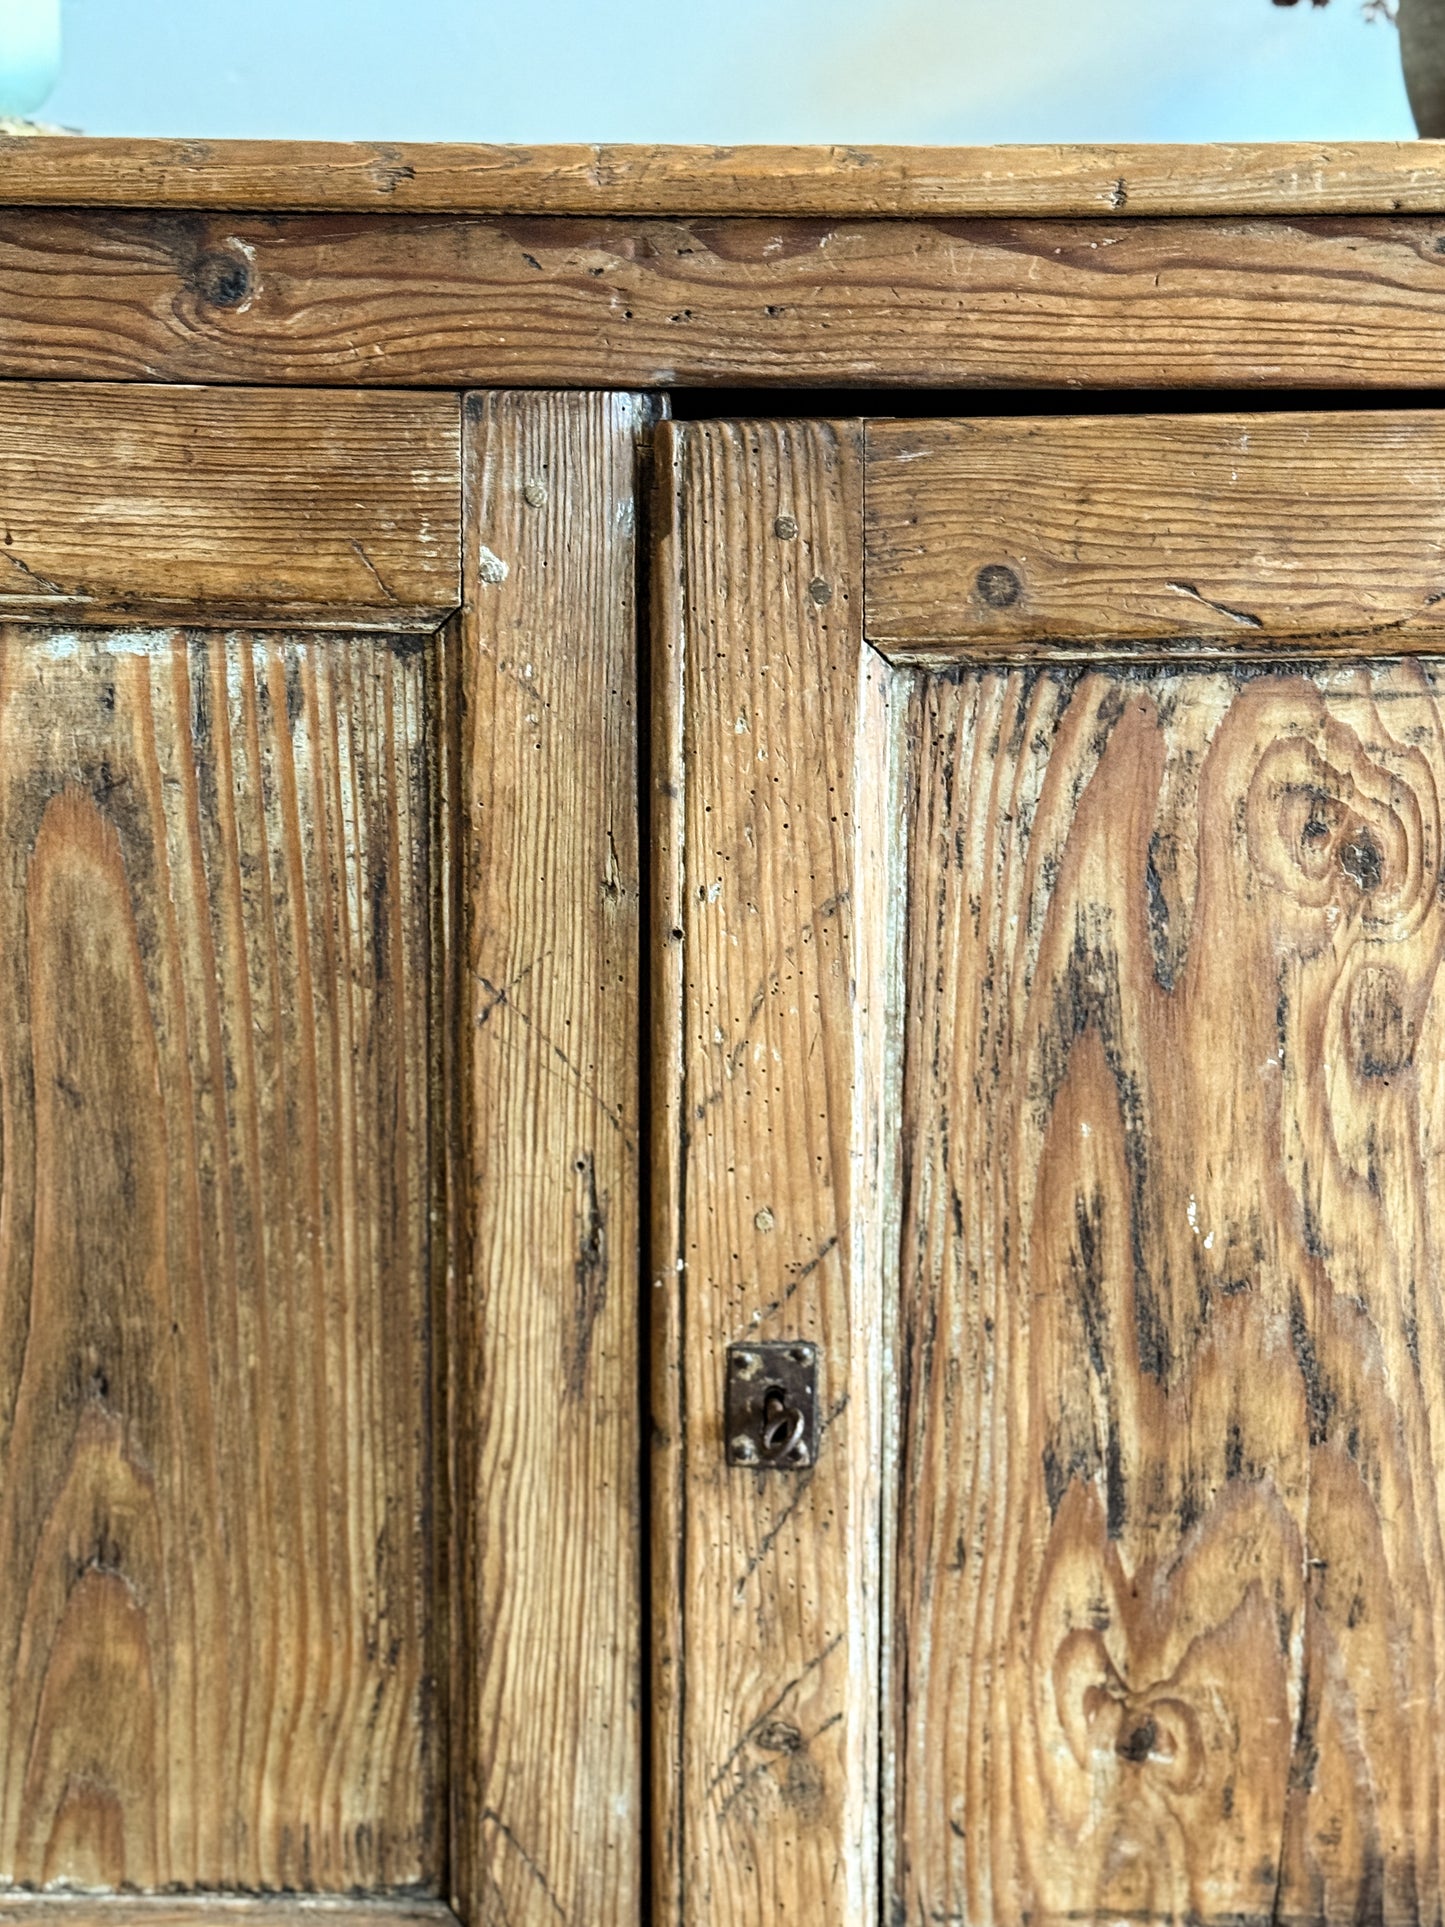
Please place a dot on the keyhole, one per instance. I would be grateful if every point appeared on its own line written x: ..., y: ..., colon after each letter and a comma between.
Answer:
x: 782, y: 1426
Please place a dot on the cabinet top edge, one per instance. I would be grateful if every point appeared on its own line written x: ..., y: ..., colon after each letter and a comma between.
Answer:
x: 1263, y: 179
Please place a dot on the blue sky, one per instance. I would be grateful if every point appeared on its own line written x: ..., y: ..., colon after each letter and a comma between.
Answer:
x: 732, y: 70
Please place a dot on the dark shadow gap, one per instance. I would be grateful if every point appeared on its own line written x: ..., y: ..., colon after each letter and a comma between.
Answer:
x: 793, y: 404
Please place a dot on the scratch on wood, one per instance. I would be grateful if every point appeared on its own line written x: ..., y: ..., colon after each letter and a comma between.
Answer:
x: 589, y: 1273
x: 371, y: 568
x: 491, y: 1818
x: 819, y: 1659
x: 500, y: 999
x: 1220, y: 608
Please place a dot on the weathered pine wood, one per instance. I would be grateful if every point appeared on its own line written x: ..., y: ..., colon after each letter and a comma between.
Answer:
x: 664, y: 1297
x: 217, y: 1654
x: 450, y: 177
x: 199, y: 1910
x: 1171, y: 1516
x: 547, y: 1796
x: 1024, y: 536
x: 771, y: 1216
x: 117, y: 500
x: 415, y: 300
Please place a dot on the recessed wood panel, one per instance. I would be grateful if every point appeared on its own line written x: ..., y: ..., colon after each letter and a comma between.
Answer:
x: 1170, y: 1613
x: 216, y: 904
x: 415, y: 301
x: 1002, y: 537
x: 339, y: 507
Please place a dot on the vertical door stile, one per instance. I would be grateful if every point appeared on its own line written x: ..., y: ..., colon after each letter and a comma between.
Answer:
x: 547, y: 1793
x: 773, y: 1197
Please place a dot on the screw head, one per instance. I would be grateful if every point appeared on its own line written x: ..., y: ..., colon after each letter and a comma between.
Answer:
x: 743, y: 1450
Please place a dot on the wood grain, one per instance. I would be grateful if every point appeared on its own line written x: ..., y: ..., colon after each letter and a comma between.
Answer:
x: 1171, y: 1598
x: 413, y: 300
x: 771, y: 1217
x: 451, y: 177
x: 547, y: 1794
x: 199, y: 1910
x: 215, y: 1458
x: 117, y: 500
x: 1245, y: 531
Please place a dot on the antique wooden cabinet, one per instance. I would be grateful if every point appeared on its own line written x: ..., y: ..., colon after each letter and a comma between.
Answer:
x: 722, y: 1089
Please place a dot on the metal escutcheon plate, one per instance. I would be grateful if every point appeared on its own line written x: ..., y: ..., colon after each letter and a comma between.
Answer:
x: 772, y: 1405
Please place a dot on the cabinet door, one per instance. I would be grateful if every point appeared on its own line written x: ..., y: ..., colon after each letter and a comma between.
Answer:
x: 1050, y: 1034
x: 318, y: 1547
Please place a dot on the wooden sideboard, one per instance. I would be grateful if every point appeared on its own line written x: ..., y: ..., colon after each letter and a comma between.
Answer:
x: 721, y: 1078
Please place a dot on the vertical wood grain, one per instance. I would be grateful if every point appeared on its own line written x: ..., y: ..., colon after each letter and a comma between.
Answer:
x: 215, y: 1447
x: 663, y: 1300
x: 1171, y: 1607
x: 773, y: 780
x: 547, y: 1801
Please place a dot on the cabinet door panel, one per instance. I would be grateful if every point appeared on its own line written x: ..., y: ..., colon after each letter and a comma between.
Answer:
x: 1067, y: 966
x: 319, y: 1422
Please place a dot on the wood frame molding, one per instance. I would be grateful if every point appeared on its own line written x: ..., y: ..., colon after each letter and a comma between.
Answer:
x: 415, y: 300
x: 1383, y: 177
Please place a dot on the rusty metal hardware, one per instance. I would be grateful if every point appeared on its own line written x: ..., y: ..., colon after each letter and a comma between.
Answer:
x: 772, y: 1405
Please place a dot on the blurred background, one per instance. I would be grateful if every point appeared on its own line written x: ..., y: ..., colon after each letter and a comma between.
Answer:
x: 686, y: 70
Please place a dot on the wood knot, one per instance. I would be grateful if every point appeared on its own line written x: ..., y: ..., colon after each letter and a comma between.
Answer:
x: 1361, y: 861
x: 1341, y: 832
x: 779, y: 1736
x: 998, y: 586
x: 1139, y: 1742
x: 222, y: 279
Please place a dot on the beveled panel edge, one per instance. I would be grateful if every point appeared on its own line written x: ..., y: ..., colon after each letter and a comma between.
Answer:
x: 280, y: 613
x: 245, y: 1910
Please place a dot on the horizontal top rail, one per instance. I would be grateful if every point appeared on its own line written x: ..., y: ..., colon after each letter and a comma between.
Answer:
x: 1284, y: 178
x: 329, y: 508
x: 1003, y: 539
